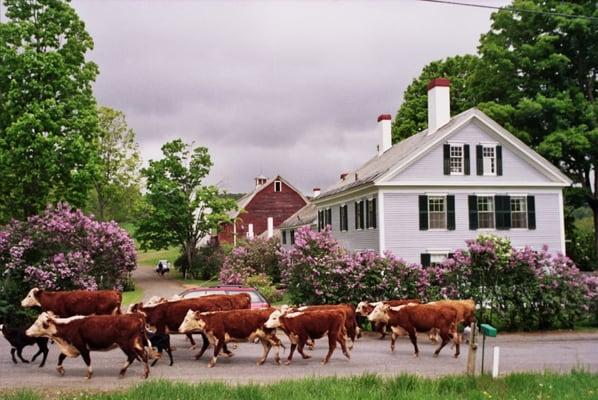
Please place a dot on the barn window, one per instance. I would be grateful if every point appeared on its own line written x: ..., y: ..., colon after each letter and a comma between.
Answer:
x: 277, y: 186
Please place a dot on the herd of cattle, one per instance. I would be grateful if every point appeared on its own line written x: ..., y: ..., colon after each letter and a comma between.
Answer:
x: 81, y: 321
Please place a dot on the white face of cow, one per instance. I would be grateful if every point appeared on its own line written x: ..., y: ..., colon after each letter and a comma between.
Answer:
x: 361, y: 308
x: 380, y: 313
x: 31, y: 299
x: 192, y: 322
x: 44, y: 325
x: 274, y: 320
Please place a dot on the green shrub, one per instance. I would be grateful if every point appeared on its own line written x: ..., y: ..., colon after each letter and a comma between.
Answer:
x: 207, y: 263
x: 263, y: 283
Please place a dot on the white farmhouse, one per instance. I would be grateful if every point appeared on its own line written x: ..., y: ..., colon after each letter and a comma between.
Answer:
x: 423, y: 197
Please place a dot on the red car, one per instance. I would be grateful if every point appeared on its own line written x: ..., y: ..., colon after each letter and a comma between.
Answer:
x: 257, y: 300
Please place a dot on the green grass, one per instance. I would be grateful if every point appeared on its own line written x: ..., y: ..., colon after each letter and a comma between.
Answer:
x: 132, y: 297
x: 577, y: 385
x: 151, y: 257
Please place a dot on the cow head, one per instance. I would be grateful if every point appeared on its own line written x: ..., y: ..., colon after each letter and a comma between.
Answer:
x: 380, y: 313
x: 364, y: 308
x: 193, y: 322
x: 44, y: 325
x: 274, y: 319
x: 31, y: 300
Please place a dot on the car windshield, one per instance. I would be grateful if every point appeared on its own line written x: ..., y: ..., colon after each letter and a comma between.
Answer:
x: 255, y: 298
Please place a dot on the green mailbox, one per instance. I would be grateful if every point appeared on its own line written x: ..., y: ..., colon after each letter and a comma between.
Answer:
x: 488, y: 330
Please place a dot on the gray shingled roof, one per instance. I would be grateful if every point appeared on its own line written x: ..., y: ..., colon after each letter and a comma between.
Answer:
x: 306, y: 215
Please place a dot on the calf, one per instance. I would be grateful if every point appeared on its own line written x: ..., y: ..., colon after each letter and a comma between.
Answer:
x: 303, y: 325
x: 161, y: 341
x: 237, y: 325
x: 79, y: 335
x: 413, y: 318
x: 364, y: 309
x: 167, y: 317
x: 350, y: 320
x: 465, y: 313
x: 18, y: 340
x: 77, y: 302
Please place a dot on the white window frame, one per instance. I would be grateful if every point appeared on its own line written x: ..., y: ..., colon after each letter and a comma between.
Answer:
x: 462, y: 157
x: 437, y: 254
x: 277, y: 184
x: 524, y: 211
x: 491, y: 212
x: 492, y: 146
x: 443, y: 197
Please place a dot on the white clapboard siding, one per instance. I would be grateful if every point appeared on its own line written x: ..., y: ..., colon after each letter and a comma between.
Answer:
x: 363, y: 239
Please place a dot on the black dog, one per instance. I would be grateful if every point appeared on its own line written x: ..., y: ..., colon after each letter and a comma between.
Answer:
x: 17, y: 338
x: 160, y: 341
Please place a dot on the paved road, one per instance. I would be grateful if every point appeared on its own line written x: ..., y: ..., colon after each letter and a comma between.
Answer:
x: 537, y: 352
x: 155, y: 285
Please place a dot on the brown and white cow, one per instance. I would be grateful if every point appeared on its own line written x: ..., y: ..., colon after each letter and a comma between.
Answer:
x: 303, y: 325
x: 235, y: 325
x: 364, y: 309
x: 350, y: 320
x: 76, y: 302
x: 167, y: 317
x: 79, y: 335
x: 465, y: 313
x: 413, y: 318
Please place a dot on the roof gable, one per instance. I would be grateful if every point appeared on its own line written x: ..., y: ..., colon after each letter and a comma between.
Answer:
x: 244, y: 201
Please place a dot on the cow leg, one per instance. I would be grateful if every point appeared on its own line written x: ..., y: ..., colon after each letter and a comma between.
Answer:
x: 445, y: 340
x: 131, y: 356
x: 310, y: 344
x: 217, y: 347
x: 169, y: 352
x: 226, y: 351
x: 19, y: 351
x: 456, y: 341
x: 381, y: 327
x: 12, y: 353
x: 290, y: 358
x: 300, y: 346
x: 266, y: 347
x: 59, y: 367
x: 85, y: 355
x: 143, y: 356
x: 331, y: 346
x: 413, y: 338
x: 393, y: 338
x: 193, y: 344
x: 159, y: 356
x: 204, y: 346
x: 433, y: 335
x: 343, y: 343
x: 43, y: 349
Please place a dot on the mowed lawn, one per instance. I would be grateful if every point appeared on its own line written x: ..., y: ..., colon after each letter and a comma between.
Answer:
x: 577, y: 385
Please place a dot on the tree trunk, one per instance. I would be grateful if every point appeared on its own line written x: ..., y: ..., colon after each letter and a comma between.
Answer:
x: 190, y: 253
x: 101, y: 203
x: 595, y: 211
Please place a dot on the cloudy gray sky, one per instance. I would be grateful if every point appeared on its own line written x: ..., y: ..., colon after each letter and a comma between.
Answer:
x: 289, y: 88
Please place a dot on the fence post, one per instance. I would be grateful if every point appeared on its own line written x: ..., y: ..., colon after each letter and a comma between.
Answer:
x: 495, y: 360
x: 473, y: 347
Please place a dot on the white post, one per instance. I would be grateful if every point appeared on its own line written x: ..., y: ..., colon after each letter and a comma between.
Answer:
x: 270, y: 227
x: 250, y: 231
x: 495, y: 360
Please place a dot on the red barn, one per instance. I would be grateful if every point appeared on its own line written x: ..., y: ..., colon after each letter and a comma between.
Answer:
x: 274, y: 198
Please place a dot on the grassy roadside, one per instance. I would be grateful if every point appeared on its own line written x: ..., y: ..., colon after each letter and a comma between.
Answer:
x: 576, y: 385
x: 132, y: 297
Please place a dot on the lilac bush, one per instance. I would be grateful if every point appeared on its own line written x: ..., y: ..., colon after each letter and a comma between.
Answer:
x: 253, y: 257
x: 63, y: 249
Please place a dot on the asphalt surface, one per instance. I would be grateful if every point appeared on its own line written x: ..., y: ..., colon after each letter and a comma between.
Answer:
x: 535, y: 352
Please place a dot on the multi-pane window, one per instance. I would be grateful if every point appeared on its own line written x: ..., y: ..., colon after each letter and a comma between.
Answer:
x: 456, y: 159
x: 437, y: 212
x: 344, y: 220
x: 486, y: 212
x: 359, y: 217
x: 370, y: 213
x: 518, y: 212
x: 437, y: 258
x: 489, y: 160
x: 277, y: 186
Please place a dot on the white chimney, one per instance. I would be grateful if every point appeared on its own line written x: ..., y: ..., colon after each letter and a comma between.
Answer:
x: 384, y: 133
x: 439, y: 103
x: 270, y: 227
x: 250, y: 231
x: 316, y: 192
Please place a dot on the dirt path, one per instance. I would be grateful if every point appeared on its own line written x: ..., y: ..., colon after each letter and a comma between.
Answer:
x: 155, y: 285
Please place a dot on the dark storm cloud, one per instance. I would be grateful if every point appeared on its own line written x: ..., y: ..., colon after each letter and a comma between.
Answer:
x: 270, y: 87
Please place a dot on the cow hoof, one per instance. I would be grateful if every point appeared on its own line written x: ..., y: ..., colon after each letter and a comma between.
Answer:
x: 260, y: 362
x: 415, y: 355
x: 89, y: 375
x: 456, y: 356
x: 306, y: 357
x: 25, y: 361
x: 193, y: 347
x: 287, y: 363
x: 392, y: 349
x: 435, y: 355
x: 229, y: 354
x: 348, y: 355
x: 60, y: 371
x: 324, y: 362
x: 210, y: 365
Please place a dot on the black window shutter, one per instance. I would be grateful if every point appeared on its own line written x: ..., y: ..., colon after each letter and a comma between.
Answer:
x: 466, y: 168
x: 367, y: 213
x: 447, y: 159
x: 319, y: 220
x: 473, y: 212
x: 450, y: 216
x: 450, y: 255
x: 479, y: 159
x: 531, y: 212
x: 356, y: 211
x: 426, y: 259
x: 340, y: 218
x: 292, y: 232
x: 329, y: 219
x: 423, y: 213
x: 502, y: 211
x: 374, y: 214
x: 499, y: 160
x: 284, y: 237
